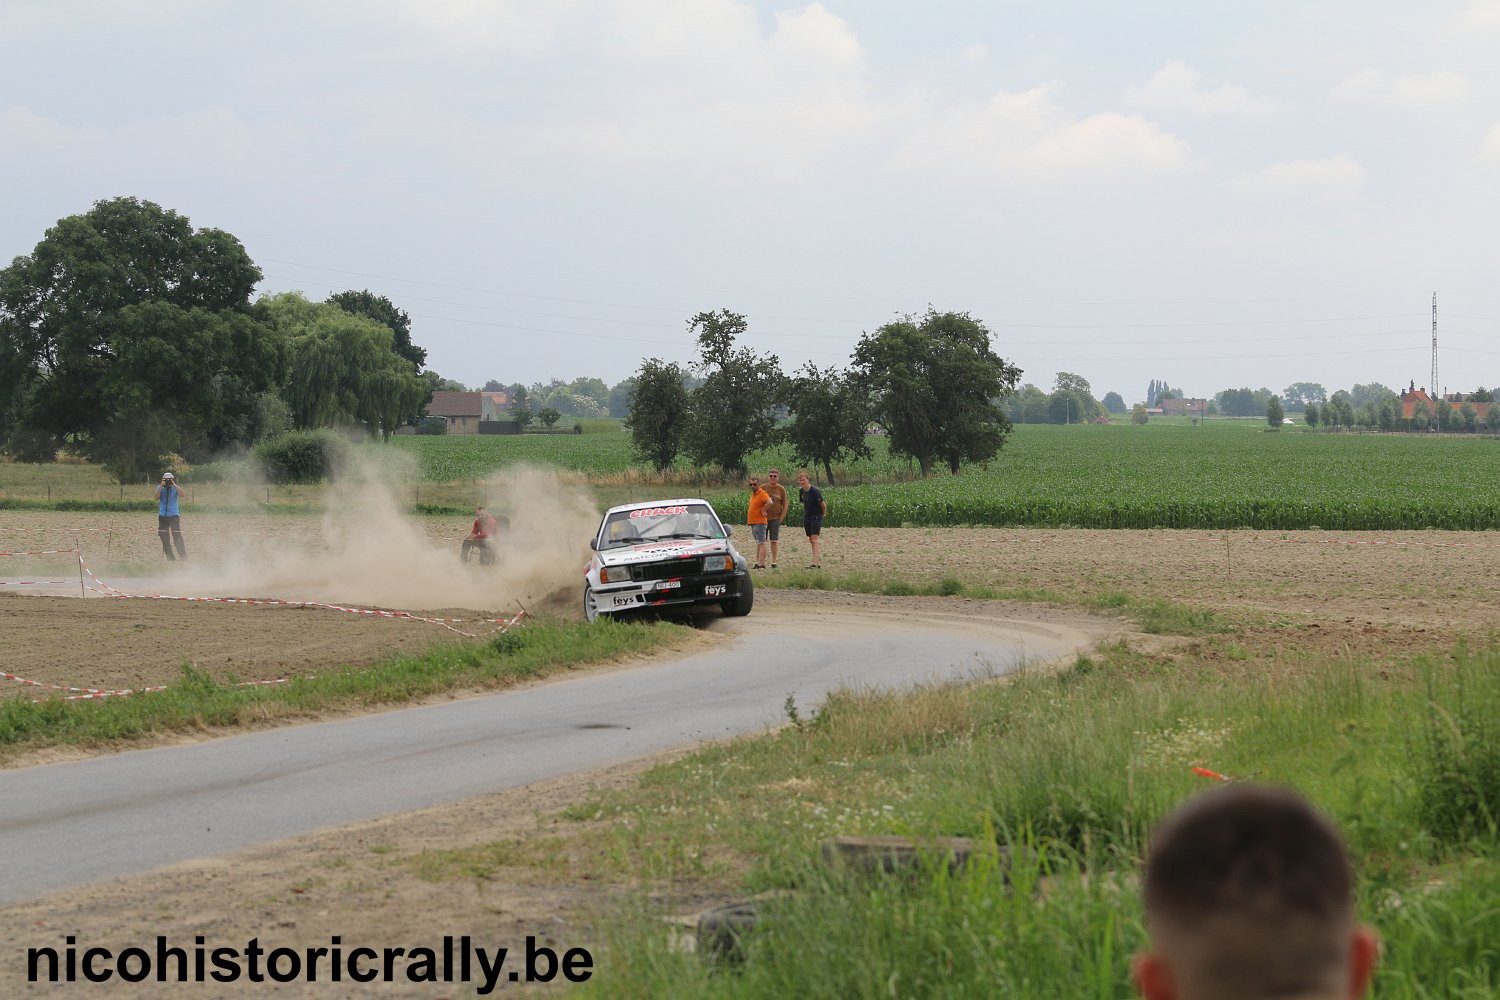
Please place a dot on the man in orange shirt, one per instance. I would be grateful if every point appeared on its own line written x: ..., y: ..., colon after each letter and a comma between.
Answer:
x: 756, y: 518
x: 775, y: 512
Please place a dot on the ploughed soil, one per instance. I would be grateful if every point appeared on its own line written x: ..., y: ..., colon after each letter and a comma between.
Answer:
x: 116, y: 644
x: 1379, y: 595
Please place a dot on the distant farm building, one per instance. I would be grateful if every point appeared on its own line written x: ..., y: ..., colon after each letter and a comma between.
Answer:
x: 1184, y: 407
x: 462, y: 410
x: 1413, y: 397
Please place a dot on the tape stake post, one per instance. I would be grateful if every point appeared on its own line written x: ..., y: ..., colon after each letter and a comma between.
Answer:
x: 79, y: 553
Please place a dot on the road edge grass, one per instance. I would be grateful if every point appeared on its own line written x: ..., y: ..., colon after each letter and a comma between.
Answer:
x: 1059, y: 777
x: 197, y: 701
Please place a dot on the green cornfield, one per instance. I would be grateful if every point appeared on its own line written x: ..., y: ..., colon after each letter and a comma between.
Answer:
x: 1229, y: 475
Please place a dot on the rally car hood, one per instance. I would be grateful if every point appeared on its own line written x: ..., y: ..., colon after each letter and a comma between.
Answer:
x: 677, y: 548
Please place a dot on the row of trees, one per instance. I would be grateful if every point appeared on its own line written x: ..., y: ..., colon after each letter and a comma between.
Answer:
x: 127, y: 334
x: 1070, y: 402
x: 1386, y: 415
x: 930, y: 383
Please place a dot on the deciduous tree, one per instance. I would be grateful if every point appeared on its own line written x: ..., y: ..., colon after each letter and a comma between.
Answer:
x: 733, y: 412
x: 933, y: 382
x: 129, y: 334
x: 658, y: 412
x: 1300, y: 395
x: 830, y: 416
x: 344, y: 368
x: 383, y: 311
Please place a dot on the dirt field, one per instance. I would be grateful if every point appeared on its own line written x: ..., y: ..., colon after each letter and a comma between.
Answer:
x: 114, y: 644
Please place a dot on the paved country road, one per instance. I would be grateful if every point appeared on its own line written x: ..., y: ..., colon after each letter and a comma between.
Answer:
x: 72, y: 824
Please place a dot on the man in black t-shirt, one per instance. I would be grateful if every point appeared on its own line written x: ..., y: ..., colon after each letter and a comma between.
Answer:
x: 813, y: 511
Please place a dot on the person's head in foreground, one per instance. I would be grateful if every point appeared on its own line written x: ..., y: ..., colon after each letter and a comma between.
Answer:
x: 1249, y: 895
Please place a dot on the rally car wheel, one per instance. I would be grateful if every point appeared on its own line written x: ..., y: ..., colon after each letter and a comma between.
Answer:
x: 739, y: 607
x: 590, y: 604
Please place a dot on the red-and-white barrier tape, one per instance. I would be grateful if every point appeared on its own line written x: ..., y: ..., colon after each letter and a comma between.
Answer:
x: 45, y: 531
x: 41, y: 552
x: 34, y: 583
x: 43, y: 684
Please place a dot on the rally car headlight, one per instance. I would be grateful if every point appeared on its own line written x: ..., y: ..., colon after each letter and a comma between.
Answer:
x: 716, y: 564
x: 614, y: 574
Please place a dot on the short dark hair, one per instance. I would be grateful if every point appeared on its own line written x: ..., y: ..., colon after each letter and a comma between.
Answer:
x: 1250, y: 890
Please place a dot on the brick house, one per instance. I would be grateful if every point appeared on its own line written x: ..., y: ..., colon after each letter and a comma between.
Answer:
x: 1184, y: 407
x: 1412, y: 396
x: 462, y: 410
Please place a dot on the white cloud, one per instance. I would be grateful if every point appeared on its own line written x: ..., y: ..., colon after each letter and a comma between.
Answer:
x: 211, y: 133
x: 1335, y: 179
x: 462, y: 25
x: 1482, y: 15
x: 1175, y: 87
x: 18, y: 17
x: 1490, y: 151
x: 704, y: 83
x: 1105, y: 142
x: 1029, y: 132
x: 1421, y: 90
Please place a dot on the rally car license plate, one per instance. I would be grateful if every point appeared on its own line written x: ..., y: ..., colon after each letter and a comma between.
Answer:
x: 715, y: 590
x: 669, y: 585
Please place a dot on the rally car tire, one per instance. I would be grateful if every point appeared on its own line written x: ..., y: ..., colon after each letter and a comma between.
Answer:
x: 590, y: 604
x: 739, y: 607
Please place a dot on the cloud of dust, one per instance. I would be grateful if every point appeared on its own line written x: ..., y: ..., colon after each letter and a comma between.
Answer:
x: 368, y: 551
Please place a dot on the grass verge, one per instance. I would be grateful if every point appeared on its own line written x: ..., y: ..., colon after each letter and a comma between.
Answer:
x: 1073, y: 767
x: 197, y: 701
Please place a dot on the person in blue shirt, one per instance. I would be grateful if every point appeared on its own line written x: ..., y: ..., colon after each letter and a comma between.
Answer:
x: 169, y: 517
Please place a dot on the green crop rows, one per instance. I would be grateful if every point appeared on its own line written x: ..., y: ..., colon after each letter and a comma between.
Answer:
x: 454, y: 457
x: 1131, y: 477
x: 1118, y: 476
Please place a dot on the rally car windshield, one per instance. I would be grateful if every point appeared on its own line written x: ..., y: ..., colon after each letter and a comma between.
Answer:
x: 631, y: 527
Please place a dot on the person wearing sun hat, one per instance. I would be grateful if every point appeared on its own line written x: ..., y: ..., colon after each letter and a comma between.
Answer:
x: 169, y: 517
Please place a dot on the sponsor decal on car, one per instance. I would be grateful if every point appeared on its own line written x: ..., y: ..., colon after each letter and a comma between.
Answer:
x: 626, y: 600
x: 716, y: 590
x: 658, y: 511
x: 684, y: 549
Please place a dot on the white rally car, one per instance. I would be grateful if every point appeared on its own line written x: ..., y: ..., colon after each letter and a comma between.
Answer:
x: 664, y: 553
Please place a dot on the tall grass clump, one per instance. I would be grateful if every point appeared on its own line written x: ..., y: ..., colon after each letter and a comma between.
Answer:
x: 1457, y: 753
x: 983, y: 931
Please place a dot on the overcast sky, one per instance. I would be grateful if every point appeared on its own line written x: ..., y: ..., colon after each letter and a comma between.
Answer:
x: 1215, y: 194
